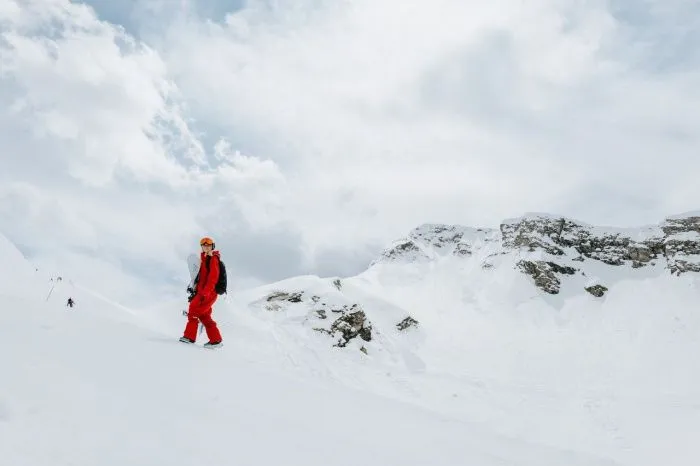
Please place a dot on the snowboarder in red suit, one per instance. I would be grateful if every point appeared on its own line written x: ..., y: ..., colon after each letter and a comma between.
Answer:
x: 200, y: 308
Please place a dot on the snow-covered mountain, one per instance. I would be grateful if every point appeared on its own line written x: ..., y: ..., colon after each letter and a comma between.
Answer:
x: 561, y: 322
x: 546, y: 342
x: 550, y: 248
x: 484, y: 268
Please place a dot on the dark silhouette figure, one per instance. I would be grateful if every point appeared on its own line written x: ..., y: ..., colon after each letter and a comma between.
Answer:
x: 70, y: 302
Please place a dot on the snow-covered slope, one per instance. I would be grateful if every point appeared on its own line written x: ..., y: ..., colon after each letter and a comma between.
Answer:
x: 546, y: 329
x: 17, y: 276
x: 469, y: 336
x: 102, y: 385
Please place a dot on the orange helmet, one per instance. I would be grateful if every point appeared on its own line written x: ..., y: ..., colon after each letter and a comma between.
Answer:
x: 207, y: 241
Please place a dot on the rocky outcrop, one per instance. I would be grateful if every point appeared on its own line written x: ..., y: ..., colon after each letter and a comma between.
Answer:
x: 675, y: 243
x: 597, y: 290
x: 462, y: 250
x: 343, y: 322
x: 430, y: 240
x: 534, y: 234
x: 275, y: 301
x: 564, y: 237
x: 403, y: 250
x: 407, y: 323
x: 351, y: 325
x: 552, y: 249
x: 545, y: 274
x: 351, y: 322
x: 439, y: 236
x: 682, y: 243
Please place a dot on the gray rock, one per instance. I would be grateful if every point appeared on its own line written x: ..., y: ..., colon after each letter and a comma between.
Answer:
x: 292, y: 297
x: 438, y: 239
x: 545, y: 274
x: 682, y: 244
x: 406, y: 323
x: 405, y: 249
x: 462, y: 249
x: 275, y: 300
x: 597, y: 290
x: 350, y: 326
x: 533, y: 234
x: 677, y: 240
x: 558, y: 244
x: 556, y: 235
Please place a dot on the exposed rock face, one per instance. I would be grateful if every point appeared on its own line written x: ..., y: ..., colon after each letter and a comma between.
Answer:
x: 351, y: 325
x: 545, y: 274
x: 274, y: 300
x: 682, y: 244
x: 462, y: 249
x: 406, y: 323
x: 349, y: 320
x: 557, y: 235
x: 439, y: 236
x: 406, y: 249
x: 675, y: 241
x: 533, y: 234
x: 597, y: 290
x: 428, y: 240
x: 558, y: 246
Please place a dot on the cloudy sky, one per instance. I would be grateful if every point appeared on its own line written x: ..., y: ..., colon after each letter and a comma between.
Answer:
x: 305, y: 135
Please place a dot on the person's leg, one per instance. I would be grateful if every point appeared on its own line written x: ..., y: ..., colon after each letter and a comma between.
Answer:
x: 193, y: 313
x: 191, y: 328
x: 210, y: 327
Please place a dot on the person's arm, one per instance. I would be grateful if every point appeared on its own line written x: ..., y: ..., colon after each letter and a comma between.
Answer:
x: 212, y: 277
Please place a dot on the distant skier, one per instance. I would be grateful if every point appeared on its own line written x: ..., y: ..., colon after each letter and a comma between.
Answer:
x: 204, y: 297
x: 70, y: 302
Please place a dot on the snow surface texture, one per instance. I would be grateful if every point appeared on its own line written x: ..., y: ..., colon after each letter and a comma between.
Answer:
x: 457, y: 346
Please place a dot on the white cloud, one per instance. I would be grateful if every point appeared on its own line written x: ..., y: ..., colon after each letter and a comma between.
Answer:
x: 100, y: 160
x: 88, y: 86
x: 486, y: 108
x: 344, y: 123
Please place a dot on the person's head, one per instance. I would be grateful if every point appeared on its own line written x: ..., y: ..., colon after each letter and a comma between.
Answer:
x: 207, y: 245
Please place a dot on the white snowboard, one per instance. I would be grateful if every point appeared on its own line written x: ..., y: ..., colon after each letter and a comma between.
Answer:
x: 193, y: 265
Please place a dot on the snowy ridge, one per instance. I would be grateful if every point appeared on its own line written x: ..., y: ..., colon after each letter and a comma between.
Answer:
x: 387, y: 309
x: 552, y: 248
x: 16, y: 273
x: 430, y: 241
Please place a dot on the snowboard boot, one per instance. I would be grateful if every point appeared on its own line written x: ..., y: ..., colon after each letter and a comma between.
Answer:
x: 186, y: 340
x: 213, y: 344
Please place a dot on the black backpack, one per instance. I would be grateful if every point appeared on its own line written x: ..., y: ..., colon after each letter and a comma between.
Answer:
x: 220, y: 286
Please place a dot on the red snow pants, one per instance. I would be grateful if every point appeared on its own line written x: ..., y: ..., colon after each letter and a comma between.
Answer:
x: 200, y: 311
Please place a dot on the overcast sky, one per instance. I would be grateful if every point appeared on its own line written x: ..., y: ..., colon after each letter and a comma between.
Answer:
x: 305, y: 135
